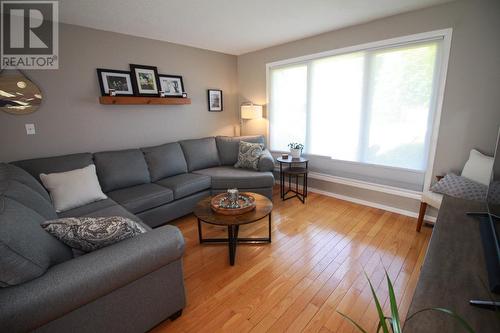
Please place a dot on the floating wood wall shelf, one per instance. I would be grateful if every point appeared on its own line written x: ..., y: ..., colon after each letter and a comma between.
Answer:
x: 132, y: 100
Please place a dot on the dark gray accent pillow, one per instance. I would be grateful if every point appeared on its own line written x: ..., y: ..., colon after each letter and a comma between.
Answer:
x: 460, y: 187
x: 200, y: 153
x: 229, y: 146
x: 91, y: 233
x: 249, y: 155
x: 121, y: 168
x: 165, y: 161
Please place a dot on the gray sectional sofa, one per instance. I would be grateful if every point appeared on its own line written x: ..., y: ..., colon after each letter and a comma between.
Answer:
x: 127, y: 287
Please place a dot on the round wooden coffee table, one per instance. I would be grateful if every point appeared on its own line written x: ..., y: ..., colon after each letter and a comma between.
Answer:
x: 204, y: 213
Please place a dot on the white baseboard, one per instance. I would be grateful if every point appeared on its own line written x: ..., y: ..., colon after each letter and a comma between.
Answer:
x: 364, y: 185
x: 391, y: 209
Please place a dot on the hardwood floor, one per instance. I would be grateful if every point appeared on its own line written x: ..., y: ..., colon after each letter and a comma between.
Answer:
x: 313, y: 268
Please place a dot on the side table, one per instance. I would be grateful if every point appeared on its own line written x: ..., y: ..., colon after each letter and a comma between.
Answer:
x: 294, y: 168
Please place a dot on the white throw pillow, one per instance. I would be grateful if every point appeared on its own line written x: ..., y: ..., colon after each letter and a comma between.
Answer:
x: 478, y: 167
x: 73, y: 188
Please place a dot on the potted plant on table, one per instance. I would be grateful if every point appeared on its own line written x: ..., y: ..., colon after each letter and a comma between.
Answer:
x: 295, y: 149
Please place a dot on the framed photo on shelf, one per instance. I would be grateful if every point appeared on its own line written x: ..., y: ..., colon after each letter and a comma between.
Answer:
x: 172, y: 85
x: 145, y: 80
x: 215, y: 103
x: 119, y: 81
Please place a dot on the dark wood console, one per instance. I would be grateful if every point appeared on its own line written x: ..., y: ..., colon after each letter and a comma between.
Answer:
x: 454, y: 271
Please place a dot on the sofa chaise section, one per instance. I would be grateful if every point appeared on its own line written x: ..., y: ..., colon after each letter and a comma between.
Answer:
x: 103, y: 291
x: 44, y: 288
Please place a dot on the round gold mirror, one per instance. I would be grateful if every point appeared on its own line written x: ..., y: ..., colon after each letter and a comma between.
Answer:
x: 18, y: 94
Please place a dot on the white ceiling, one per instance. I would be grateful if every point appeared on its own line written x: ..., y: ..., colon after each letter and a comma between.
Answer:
x: 230, y: 26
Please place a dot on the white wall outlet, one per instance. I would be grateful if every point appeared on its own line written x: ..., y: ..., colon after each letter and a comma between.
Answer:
x: 30, y: 129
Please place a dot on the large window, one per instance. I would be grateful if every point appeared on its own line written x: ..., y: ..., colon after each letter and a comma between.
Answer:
x: 373, y: 106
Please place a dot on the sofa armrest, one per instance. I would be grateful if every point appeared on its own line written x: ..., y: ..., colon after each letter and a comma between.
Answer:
x: 78, y: 281
x: 266, y: 161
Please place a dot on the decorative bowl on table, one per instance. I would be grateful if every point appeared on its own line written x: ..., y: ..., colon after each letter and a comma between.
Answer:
x: 222, y: 204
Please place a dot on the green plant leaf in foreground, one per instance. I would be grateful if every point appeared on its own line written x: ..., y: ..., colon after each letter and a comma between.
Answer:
x: 381, y: 316
x: 462, y: 321
x: 352, y: 322
x: 396, y: 322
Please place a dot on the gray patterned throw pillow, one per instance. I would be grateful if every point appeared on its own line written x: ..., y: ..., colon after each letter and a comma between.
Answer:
x: 249, y: 155
x: 460, y: 187
x: 91, y: 233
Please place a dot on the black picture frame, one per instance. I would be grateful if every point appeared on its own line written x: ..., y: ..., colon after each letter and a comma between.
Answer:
x: 139, y: 88
x: 213, y: 104
x: 174, y: 78
x: 105, y: 85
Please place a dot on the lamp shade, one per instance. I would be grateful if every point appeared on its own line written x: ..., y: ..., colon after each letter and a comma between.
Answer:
x: 251, y: 111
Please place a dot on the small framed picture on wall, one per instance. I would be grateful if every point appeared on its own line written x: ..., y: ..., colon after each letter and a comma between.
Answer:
x: 172, y: 85
x: 145, y: 80
x: 215, y: 103
x: 118, y: 81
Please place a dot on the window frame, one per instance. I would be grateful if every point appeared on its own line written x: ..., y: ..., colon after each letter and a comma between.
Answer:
x: 438, y: 95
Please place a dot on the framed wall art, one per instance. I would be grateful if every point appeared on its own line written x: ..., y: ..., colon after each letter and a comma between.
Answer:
x: 120, y: 81
x: 171, y: 85
x: 145, y: 80
x: 215, y: 103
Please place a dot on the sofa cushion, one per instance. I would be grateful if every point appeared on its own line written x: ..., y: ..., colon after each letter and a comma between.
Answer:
x: 88, y: 234
x: 26, y: 250
x: 12, y: 172
x: 186, y: 184
x: 266, y: 161
x: 165, y: 161
x: 54, y: 164
x: 27, y: 197
x: 228, y: 146
x: 87, y: 209
x: 224, y: 177
x: 103, y: 208
x: 200, y: 153
x: 139, y: 198
x: 122, y: 168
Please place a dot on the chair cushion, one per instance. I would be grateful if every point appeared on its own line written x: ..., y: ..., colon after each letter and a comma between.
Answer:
x: 26, y: 250
x: 224, y: 177
x: 432, y: 199
x: 122, y: 168
x: 55, y: 164
x: 12, y: 172
x: 186, y: 184
x: 228, y: 147
x: 27, y: 197
x: 165, y: 161
x: 200, y: 153
x: 142, y: 197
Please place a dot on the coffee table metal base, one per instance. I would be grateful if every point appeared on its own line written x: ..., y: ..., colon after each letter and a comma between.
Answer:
x: 232, y: 238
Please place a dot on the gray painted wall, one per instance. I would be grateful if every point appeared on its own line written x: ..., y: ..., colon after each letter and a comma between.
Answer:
x: 72, y: 120
x: 471, y: 110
